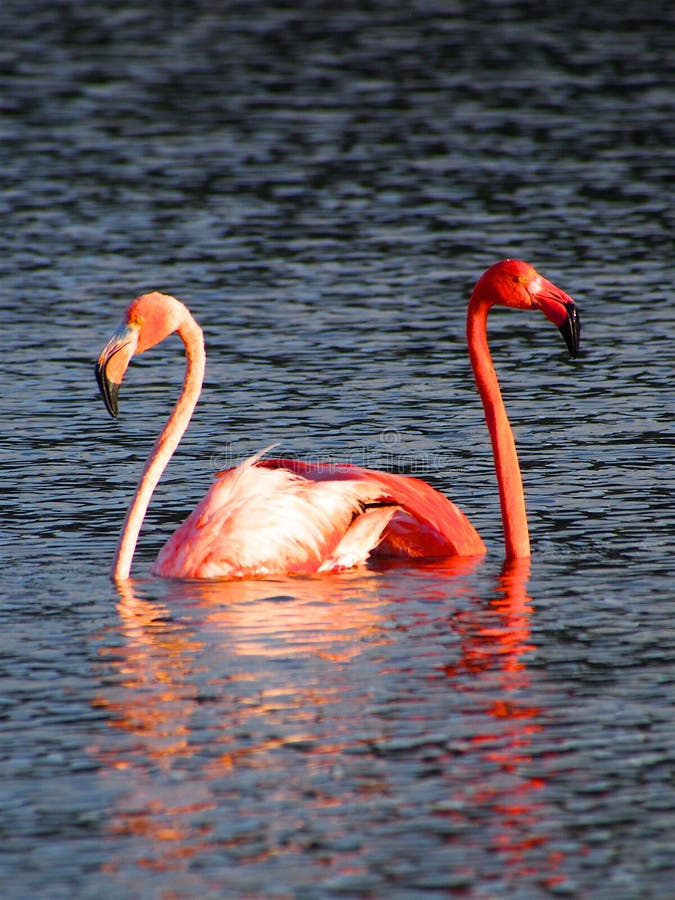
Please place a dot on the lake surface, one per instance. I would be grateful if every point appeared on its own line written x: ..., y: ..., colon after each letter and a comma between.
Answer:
x: 322, y: 184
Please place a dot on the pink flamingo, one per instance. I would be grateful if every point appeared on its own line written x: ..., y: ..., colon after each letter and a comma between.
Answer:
x: 280, y: 516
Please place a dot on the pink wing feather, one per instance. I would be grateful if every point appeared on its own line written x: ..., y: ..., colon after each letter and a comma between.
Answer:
x: 426, y: 523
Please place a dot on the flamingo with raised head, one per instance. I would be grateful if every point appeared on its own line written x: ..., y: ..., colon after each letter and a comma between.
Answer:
x: 280, y: 516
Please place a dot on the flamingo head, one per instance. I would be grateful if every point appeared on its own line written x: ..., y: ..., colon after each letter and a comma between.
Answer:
x: 147, y: 321
x: 513, y: 282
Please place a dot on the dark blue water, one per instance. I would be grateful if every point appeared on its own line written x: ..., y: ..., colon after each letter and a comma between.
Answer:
x: 322, y: 184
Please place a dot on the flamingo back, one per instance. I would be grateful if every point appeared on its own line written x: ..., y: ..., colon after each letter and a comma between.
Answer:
x: 275, y: 516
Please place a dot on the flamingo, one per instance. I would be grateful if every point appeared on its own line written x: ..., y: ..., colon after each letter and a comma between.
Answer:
x: 281, y: 516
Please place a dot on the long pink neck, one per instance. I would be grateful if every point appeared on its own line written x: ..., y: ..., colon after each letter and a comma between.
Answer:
x: 165, y: 445
x: 509, y: 480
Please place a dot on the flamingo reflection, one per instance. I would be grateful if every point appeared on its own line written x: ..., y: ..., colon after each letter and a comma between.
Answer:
x: 211, y: 693
x: 169, y: 667
x: 495, y: 642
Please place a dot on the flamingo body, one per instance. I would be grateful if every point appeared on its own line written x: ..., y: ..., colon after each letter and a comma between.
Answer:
x: 276, y: 516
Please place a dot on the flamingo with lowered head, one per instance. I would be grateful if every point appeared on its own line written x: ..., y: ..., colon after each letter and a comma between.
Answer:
x: 280, y: 516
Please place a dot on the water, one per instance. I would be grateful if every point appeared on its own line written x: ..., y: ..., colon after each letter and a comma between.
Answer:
x: 322, y: 184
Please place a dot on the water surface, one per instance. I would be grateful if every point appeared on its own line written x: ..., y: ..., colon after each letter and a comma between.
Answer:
x: 323, y: 186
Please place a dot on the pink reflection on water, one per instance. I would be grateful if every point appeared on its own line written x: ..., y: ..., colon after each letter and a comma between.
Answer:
x: 228, y: 648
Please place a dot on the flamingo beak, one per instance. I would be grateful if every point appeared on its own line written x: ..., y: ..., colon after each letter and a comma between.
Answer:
x: 561, y: 309
x: 113, y: 363
x: 571, y: 328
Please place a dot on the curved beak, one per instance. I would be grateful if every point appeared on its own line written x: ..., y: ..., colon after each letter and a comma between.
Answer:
x: 113, y: 363
x: 571, y: 328
x: 561, y: 309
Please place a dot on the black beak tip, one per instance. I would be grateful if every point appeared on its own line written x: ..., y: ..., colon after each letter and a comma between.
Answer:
x: 571, y: 329
x: 109, y: 390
